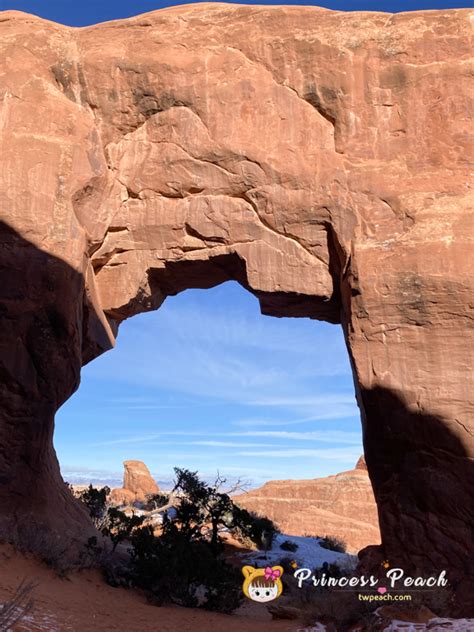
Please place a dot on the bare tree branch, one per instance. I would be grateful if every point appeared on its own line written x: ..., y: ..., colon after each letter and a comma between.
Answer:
x: 173, y: 499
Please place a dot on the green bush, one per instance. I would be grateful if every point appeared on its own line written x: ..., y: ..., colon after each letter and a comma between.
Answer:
x: 259, y: 529
x: 119, y: 526
x: 184, y: 564
x: 200, y: 505
x: 97, y: 504
x: 110, y: 521
x: 174, y: 568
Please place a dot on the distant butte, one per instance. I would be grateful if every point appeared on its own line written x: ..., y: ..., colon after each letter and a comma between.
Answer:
x: 341, y: 506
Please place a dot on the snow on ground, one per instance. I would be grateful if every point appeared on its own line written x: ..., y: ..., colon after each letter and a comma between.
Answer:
x: 433, y: 625
x: 41, y: 622
x: 309, y: 554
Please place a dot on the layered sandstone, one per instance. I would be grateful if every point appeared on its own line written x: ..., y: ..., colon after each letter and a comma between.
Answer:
x: 342, y: 506
x: 322, y: 159
x: 138, y: 483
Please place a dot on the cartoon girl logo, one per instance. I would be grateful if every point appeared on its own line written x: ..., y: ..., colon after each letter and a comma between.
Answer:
x: 262, y: 584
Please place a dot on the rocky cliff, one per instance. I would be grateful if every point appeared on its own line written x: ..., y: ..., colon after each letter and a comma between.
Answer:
x: 321, y: 159
x: 342, y: 505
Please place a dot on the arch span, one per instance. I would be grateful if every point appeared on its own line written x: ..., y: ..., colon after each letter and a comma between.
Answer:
x: 320, y: 162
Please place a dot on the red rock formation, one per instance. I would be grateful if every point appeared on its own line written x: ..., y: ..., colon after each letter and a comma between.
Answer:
x: 342, y: 505
x: 137, y: 484
x: 361, y: 464
x: 319, y: 158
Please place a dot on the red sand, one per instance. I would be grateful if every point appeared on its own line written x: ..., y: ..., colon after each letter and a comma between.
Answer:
x: 85, y: 603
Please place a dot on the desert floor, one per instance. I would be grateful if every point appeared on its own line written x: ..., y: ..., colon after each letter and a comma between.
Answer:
x: 85, y: 603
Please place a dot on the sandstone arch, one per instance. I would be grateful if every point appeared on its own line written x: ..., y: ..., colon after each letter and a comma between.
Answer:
x: 322, y: 163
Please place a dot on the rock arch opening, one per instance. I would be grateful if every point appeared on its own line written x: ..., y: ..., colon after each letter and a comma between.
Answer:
x: 208, y: 383
x: 209, y: 365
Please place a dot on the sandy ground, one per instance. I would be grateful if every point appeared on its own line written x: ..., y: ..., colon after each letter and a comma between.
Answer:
x: 85, y: 603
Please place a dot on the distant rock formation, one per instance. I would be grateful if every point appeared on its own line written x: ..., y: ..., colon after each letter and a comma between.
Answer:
x: 137, y: 484
x: 342, y: 505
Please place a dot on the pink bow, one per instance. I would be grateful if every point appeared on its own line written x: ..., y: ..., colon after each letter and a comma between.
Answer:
x: 272, y: 574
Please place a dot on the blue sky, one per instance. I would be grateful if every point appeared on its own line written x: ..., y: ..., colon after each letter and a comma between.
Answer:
x: 206, y: 382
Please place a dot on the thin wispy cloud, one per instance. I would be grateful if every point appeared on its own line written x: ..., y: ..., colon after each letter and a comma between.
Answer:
x: 345, y: 455
x: 307, y: 401
x: 228, y: 355
x: 340, y: 412
x: 227, y: 444
x: 329, y: 436
x: 237, y: 329
x: 162, y: 438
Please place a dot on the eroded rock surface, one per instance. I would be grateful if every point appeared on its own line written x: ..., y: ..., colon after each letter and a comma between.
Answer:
x: 322, y: 159
x: 137, y: 484
x: 342, y: 505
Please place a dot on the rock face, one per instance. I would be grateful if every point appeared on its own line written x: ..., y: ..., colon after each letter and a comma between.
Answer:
x: 319, y: 158
x: 361, y: 464
x: 137, y: 484
x: 342, y: 505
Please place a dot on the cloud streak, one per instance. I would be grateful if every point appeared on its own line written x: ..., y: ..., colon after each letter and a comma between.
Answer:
x: 162, y: 438
x: 231, y: 355
x: 343, y: 454
x: 329, y: 436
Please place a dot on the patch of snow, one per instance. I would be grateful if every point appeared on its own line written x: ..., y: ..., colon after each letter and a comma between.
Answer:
x: 433, y: 625
x: 171, y: 513
x: 309, y: 554
x: 43, y: 622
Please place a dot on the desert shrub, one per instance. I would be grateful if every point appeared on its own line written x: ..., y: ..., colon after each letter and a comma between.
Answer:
x: 258, y: 529
x: 53, y: 549
x: 333, y: 543
x: 201, y: 505
x: 183, y: 565
x: 177, y: 569
x: 288, y: 545
x: 118, y: 526
x: 18, y: 607
x: 96, y: 501
x: 109, y: 520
